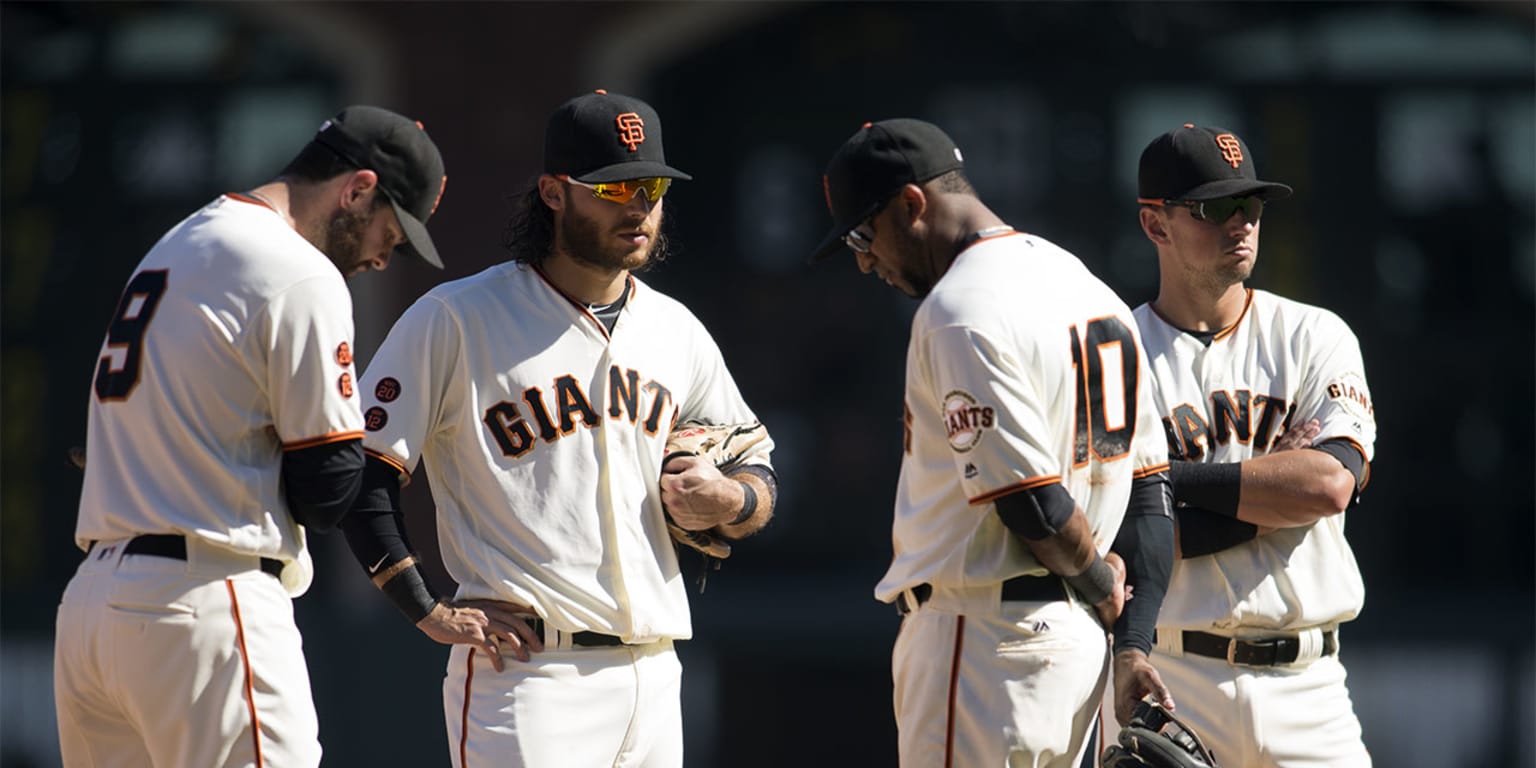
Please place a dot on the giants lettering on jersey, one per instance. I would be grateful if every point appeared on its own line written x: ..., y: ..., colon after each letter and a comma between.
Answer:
x: 556, y: 412
x: 1190, y: 436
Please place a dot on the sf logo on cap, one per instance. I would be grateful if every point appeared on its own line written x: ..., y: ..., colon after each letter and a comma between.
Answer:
x: 1231, y: 151
x: 631, y: 130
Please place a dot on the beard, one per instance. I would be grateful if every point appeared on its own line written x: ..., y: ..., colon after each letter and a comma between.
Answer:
x: 344, y: 240
x: 588, y: 244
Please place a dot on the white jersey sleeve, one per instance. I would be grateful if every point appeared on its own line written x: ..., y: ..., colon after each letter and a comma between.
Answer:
x: 305, y: 343
x: 987, y: 392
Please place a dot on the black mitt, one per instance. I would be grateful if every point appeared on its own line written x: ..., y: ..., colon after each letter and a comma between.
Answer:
x: 1157, y: 739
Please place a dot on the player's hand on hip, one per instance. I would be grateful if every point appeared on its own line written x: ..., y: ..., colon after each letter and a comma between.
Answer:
x: 491, y: 625
x: 1136, y: 679
x: 1297, y: 437
x: 1110, y: 607
x: 697, y: 496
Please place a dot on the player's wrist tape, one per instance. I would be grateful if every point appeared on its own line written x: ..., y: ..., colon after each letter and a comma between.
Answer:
x: 748, y: 504
x: 410, y: 593
x: 1214, y: 487
x: 1095, y: 583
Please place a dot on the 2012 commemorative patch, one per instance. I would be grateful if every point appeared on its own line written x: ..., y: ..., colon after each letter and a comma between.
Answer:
x: 966, y: 420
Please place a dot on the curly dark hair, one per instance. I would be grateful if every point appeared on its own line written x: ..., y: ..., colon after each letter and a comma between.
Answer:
x: 529, y: 235
x: 530, y: 232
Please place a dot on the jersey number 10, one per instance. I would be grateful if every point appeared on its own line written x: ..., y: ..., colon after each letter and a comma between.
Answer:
x: 1109, y: 344
x: 134, y: 311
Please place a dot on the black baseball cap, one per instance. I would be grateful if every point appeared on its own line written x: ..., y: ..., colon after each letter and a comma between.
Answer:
x: 409, y: 166
x: 1201, y: 163
x: 602, y: 136
x: 873, y: 164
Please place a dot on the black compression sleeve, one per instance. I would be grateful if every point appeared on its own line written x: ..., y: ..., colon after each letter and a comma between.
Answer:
x: 1347, y: 454
x: 1145, y: 542
x: 1203, y: 532
x: 1215, y: 487
x: 321, y: 482
x: 375, y: 530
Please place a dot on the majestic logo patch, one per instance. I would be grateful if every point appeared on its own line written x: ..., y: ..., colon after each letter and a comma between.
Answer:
x: 965, y: 420
x: 631, y: 130
x: 375, y: 419
x: 387, y: 389
x: 1350, y: 392
x: 1231, y: 151
x: 343, y: 354
x: 344, y: 385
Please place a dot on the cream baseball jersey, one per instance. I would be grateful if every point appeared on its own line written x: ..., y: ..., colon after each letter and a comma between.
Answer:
x: 231, y: 343
x: 543, y: 436
x: 1281, y: 363
x: 1023, y: 369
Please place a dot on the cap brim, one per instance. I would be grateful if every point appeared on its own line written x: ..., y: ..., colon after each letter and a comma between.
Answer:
x: 834, y: 237
x: 417, y: 240
x: 1264, y: 190
x: 644, y: 169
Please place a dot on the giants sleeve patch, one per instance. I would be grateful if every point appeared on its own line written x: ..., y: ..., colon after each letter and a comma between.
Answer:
x: 965, y: 420
x: 1350, y: 392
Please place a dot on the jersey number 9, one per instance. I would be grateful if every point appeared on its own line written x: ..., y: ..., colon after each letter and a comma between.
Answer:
x: 134, y: 311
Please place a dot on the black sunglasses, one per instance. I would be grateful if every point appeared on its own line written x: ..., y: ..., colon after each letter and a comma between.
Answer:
x: 1216, y: 211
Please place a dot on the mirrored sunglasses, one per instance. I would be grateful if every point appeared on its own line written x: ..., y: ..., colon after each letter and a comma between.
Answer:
x: 1217, y: 211
x: 857, y: 241
x: 621, y: 192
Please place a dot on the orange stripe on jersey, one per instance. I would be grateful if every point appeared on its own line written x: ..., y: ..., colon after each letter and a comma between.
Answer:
x: 250, y: 695
x: 1227, y: 331
x: 390, y: 460
x: 334, y: 437
x: 1152, y: 470
x: 1365, y: 472
x: 954, y: 684
x: 469, y: 678
x: 1023, y: 485
x: 247, y: 199
x: 582, y: 305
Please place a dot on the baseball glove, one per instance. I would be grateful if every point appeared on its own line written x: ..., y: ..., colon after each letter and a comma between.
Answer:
x: 723, y: 445
x: 1157, y: 739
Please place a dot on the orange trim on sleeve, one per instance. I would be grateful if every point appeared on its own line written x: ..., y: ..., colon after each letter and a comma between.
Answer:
x: 334, y: 437
x: 1022, y: 485
x: 245, y: 655
x: 1365, y: 473
x: 1152, y: 470
x: 387, y: 459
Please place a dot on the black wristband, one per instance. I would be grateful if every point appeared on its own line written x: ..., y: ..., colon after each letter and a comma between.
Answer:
x: 1214, y: 487
x: 410, y: 593
x: 1095, y: 583
x: 748, y: 504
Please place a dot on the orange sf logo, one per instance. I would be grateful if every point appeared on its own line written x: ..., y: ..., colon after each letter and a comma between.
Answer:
x: 631, y: 130
x: 1231, y: 151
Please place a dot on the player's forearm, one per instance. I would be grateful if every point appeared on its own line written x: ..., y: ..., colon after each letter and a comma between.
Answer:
x: 1070, y: 551
x: 375, y: 532
x: 1293, y: 488
x: 1146, y: 543
x: 760, y: 491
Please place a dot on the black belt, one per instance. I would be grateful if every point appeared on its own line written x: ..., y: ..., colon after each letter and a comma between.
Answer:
x: 1018, y: 588
x: 583, y: 638
x: 1268, y: 652
x: 175, y: 547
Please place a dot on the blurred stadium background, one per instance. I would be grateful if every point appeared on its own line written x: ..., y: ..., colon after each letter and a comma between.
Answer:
x: 1408, y: 130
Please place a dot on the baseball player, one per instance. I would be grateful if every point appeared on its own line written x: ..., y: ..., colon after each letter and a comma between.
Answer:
x: 1271, y: 431
x: 539, y: 394
x: 1030, y: 438
x: 223, y: 425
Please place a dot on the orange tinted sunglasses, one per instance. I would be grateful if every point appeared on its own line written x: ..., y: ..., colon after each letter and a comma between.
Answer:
x: 621, y: 192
